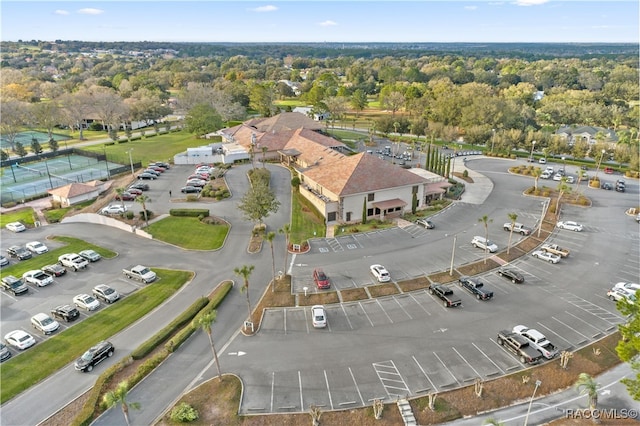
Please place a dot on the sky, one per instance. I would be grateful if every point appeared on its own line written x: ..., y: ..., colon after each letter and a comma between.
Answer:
x: 481, y: 21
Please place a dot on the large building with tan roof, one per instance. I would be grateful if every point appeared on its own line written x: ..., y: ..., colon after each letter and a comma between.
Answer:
x: 340, y: 186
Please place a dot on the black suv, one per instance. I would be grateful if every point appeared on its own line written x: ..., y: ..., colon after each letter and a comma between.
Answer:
x: 66, y: 313
x: 19, y: 252
x: 94, y: 356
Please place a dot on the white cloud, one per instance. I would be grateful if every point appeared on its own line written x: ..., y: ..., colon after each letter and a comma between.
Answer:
x: 328, y: 24
x: 530, y: 2
x: 61, y: 12
x: 268, y: 8
x: 90, y: 11
x: 471, y: 7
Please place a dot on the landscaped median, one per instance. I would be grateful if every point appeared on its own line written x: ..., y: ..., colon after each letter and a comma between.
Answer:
x: 190, y: 229
x: 44, y: 359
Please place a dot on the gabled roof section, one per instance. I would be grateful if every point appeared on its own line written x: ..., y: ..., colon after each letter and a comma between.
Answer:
x: 73, y: 190
x: 314, y: 148
x: 361, y: 173
x: 285, y: 121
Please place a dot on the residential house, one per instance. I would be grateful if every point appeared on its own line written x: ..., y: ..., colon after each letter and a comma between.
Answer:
x: 589, y: 134
x: 75, y: 193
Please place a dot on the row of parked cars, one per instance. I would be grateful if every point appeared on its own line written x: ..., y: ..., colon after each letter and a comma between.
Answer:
x: 198, y: 179
x: 153, y: 171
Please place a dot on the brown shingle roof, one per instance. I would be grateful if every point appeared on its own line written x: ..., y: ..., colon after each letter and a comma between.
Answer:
x: 361, y: 173
x: 72, y: 190
x: 284, y: 121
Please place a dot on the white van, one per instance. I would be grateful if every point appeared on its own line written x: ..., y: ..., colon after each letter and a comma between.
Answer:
x: 483, y: 243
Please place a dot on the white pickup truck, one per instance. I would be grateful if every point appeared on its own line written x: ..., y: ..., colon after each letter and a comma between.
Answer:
x: 140, y: 273
x: 73, y: 261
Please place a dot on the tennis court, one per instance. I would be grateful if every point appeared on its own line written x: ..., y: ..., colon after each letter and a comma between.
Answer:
x: 25, y: 138
x: 28, y: 180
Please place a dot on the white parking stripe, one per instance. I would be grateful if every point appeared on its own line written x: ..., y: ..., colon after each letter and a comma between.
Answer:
x: 467, y: 362
x: 326, y: 380
x: 346, y: 315
x: 300, y: 385
x: 284, y: 319
x: 556, y: 334
x: 402, y: 307
x: 356, y: 385
x: 385, y: 312
x: 365, y: 314
x: 273, y: 383
x: 584, y: 322
x: 571, y: 328
x: 487, y: 357
x: 425, y: 375
x: 445, y: 367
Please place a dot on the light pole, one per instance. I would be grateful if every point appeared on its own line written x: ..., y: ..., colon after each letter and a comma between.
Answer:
x: 526, y: 419
x: 493, y: 139
x: 545, y: 204
x: 453, y: 253
x: 599, y: 162
x: 564, y: 164
x: 533, y: 145
x: 131, y: 161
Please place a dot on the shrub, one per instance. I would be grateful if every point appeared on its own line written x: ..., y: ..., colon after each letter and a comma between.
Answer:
x: 129, y: 215
x: 149, y: 214
x: 189, y: 212
x: 465, y: 173
x: 184, y: 413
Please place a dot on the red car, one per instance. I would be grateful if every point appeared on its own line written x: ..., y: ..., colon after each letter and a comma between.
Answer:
x: 126, y: 196
x: 134, y: 191
x: 321, y: 280
x: 608, y: 170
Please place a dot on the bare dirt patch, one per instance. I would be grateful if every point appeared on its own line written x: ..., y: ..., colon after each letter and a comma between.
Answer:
x: 414, y: 284
x: 353, y: 294
x: 318, y: 298
x: 380, y: 290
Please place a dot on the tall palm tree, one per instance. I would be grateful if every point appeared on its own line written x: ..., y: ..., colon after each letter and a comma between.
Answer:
x: 204, y: 322
x: 512, y: 217
x: 119, y: 192
x: 245, y: 272
x: 119, y: 396
x: 536, y: 172
x: 486, y: 221
x: 143, y: 200
x: 269, y: 237
x: 587, y: 385
x: 286, y: 230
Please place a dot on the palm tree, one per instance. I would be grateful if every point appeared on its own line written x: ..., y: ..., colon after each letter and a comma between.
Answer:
x: 204, y: 322
x: 119, y: 396
x: 536, y: 172
x: 485, y: 221
x: 245, y: 273
x: 512, y: 217
x: 587, y: 385
x: 562, y: 188
x: 119, y: 192
x: 286, y: 230
x: 143, y: 200
x: 269, y: 237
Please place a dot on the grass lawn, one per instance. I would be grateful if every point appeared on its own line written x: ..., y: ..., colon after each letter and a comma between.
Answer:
x: 44, y: 359
x: 73, y: 245
x: 23, y: 215
x: 306, y: 222
x: 189, y: 233
x: 155, y: 148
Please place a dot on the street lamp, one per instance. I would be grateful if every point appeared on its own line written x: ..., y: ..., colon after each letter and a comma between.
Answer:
x: 599, y: 162
x: 533, y: 145
x: 131, y: 161
x: 564, y: 164
x: 526, y: 419
x: 493, y: 139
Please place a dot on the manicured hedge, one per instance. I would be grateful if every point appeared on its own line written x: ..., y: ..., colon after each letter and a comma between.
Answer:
x: 189, y: 212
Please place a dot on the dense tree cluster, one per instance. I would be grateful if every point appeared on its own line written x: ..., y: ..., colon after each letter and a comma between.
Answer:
x: 508, y: 95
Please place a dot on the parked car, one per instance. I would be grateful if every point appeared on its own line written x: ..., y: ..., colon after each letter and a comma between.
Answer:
x: 484, y: 244
x: 37, y: 277
x: 425, y: 223
x: 545, y: 175
x: 542, y: 161
x: 5, y: 353
x: 608, y: 170
x: 44, y: 323
x: 196, y: 176
x: 380, y: 273
x: 544, y: 255
x: 161, y: 164
x: 95, y: 355
x: 19, y: 339
x: 19, y: 253
x: 570, y: 179
x: 190, y: 189
x: 607, y: 186
x: 196, y: 182
x: 36, y: 247
x: 86, y: 302
x: 90, y: 255
x: 152, y: 172
x: 156, y: 168
x: 114, y: 209
x: 570, y: 225
x: 537, y: 340
x: 621, y: 293
x: 511, y: 274
x: 125, y: 196
x: 54, y: 270
x: 147, y: 176
x: 14, y: 285
x: 66, y: 313
x: 318, y: 316
x: 3, y: 261
x: 321, y: 279
x: 139, y: 185
x: 15, y: 227
x: 73, y: 261
x: 105, y: 293
x: 134, y: 191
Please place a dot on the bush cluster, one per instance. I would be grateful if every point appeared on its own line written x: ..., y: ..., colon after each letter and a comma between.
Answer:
x: 184, y: 413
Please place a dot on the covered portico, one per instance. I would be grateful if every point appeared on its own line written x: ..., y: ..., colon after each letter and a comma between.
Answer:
x: 389, y: 208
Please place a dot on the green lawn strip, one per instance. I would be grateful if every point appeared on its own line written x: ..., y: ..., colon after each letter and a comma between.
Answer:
x: 73, y: 245
x: 22, y: 215
x: 189, y: 233
x: 44, y: 359
x: 157, y: 148
x: 306, y: 222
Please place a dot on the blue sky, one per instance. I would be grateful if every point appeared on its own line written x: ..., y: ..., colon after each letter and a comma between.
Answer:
x: 323, y: 21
